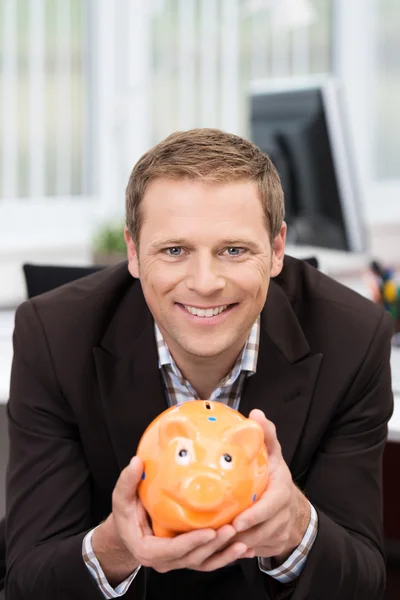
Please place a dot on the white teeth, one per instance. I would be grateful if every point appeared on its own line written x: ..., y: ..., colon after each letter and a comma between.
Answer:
x: 206, y: 312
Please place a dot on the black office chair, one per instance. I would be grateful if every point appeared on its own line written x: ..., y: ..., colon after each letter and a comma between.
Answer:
x: 43, y: 278
x: 312, y: 260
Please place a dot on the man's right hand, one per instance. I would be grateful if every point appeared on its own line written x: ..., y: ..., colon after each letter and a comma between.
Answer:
x: 125, y: 540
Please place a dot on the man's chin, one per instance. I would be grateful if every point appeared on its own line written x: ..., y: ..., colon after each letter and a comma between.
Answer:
x: 205, y: 351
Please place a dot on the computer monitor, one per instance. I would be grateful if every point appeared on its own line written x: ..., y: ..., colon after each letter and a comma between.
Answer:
x: 302, y: 128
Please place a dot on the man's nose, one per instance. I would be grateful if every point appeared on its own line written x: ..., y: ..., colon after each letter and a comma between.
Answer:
x: 204, y: 277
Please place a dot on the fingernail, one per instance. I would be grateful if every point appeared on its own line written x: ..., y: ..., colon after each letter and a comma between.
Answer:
x: 241, y: 526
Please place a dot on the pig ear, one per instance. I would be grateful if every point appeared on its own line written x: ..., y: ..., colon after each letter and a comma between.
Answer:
x: 175, y: 426
x: 248, y: 435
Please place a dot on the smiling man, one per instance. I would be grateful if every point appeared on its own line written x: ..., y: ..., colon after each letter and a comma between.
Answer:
x: 208, y: 307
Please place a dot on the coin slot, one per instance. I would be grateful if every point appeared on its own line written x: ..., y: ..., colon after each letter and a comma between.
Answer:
x: 208, y: 405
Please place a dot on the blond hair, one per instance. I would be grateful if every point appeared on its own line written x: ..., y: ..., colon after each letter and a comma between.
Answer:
x: 212, y: 156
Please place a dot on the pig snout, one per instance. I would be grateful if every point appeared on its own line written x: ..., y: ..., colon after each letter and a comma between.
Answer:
x: 203, y: 492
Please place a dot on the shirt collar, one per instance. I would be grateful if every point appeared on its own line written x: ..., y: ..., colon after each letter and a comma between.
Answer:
x: 246, y: 361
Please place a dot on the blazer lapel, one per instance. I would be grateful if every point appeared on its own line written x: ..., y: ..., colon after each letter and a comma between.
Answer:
x: 286, y: 374
x: 130, y: 381
x: 282, y: 387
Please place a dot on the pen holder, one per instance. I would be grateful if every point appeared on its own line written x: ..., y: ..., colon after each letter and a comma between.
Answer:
x: 385, y: 289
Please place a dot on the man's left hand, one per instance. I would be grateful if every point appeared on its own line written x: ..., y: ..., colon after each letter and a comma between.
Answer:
x: 275, y: 525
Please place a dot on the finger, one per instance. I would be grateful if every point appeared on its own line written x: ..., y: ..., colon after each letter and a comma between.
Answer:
x: 172, y: 549
x: 260, y: 535
x: 128, y: 481
x: 263, y: 551
x: 201, y: 554
x: 269, y: 430
x: 227, y: 556
x: 141, y: 519
x: 249, y: 554
x: 265, y: 509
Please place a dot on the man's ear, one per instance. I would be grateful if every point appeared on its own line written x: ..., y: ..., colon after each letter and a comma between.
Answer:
x: 278, y: 251
x: 133, y: 259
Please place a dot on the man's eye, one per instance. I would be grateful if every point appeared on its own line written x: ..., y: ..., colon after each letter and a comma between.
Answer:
x: 174, y: 251
x: 235, y: 251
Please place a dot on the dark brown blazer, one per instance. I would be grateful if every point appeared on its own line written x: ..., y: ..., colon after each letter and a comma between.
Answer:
x: 85, y: 384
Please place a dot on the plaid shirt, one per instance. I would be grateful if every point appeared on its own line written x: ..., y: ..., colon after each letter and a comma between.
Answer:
x: 230, y: 388
x: 229, y: 392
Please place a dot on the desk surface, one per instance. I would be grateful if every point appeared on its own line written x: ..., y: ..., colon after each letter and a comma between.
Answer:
x: 6, y: 328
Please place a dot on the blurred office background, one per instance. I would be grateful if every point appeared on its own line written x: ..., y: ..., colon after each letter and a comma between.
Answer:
x: 86, y: 86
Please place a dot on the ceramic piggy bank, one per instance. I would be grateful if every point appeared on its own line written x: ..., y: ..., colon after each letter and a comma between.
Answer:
x: 204, y: 463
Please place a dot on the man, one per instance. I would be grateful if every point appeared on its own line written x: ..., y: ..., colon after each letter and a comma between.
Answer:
x: 208, y: 308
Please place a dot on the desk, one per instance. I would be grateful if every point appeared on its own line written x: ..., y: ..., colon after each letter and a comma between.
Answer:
x: 7, y: 325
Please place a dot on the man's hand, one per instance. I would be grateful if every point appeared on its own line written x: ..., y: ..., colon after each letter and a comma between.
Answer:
x: 275, y: 525
x: 125, y: 540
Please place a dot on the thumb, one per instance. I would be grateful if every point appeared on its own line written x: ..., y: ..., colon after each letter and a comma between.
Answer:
x: 129, y: 480
x: 270, y: 438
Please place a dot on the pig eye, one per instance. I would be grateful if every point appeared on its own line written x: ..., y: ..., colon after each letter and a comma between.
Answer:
x: 226, y: 461
x: 183, y: 457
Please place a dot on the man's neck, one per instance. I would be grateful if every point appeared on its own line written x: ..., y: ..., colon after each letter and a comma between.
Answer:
x: 205, y: 374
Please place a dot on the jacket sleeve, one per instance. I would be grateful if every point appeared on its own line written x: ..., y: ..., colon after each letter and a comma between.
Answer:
x: 2, y: 552
x: 48, y: 490
x: 344, y: 485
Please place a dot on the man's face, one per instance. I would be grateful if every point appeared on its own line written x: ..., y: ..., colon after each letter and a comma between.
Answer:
x: 204, y: 262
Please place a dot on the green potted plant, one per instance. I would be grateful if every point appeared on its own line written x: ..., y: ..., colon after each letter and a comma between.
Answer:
x: 108, y: 245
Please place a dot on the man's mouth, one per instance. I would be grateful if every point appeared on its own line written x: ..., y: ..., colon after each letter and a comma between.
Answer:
x: 210, y: 311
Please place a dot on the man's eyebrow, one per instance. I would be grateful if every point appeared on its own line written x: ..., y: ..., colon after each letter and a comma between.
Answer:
x: 160, y: 243
x: 168, y: 242
x: 238, y: 242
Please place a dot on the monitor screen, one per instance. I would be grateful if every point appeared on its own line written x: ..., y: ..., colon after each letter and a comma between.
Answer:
x: 303, y: 131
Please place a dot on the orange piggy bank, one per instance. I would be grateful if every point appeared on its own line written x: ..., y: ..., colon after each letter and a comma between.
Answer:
x: 204, y: 463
